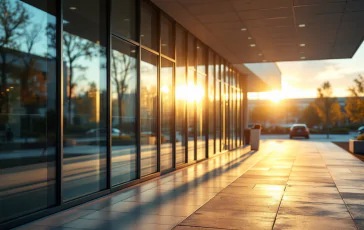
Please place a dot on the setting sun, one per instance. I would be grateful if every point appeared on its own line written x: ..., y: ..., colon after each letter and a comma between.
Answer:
x: 275, y: 96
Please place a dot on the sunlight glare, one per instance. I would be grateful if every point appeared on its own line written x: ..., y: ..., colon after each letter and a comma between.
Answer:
x: 275, y: 96
x: 190, y: 92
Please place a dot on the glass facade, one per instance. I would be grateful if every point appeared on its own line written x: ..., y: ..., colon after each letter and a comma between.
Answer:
x: 84, y: 118
x: 123, y: 117
x: 86, y: 109
x: 180, y: 102
x: 148, y: 112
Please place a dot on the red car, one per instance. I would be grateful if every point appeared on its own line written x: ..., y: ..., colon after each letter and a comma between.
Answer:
x: 299, y: 130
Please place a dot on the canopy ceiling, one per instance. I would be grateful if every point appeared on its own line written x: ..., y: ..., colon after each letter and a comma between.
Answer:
x: 248, y: 31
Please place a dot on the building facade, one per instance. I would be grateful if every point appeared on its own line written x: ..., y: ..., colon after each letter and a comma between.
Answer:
x: 97, y: 95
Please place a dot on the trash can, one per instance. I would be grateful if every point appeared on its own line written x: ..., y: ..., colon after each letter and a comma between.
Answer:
x: 255, y: 137
x: 246, y: 136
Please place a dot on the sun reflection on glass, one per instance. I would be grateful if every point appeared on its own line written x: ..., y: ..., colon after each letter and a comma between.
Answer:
x: 190, y: 92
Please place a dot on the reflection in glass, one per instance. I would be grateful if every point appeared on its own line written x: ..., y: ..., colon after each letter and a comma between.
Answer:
x: 123, y: 18
x: 226, y: 105
x: 191, y: 109
x: 191, y: 51
x: 211, y: 103
x: 218, y: 104
x: 27, y: 107
x: 166, y: 92
x: 238, y: 143
x: 232, y: 115
x: 149, y: 26
x: 180, y: 96
x: 84, y: 56
x: 231, y: 110
x: 123, y: 87
x: 148, y: 112
x: 200, y: 116
x: 201, y: 57
x: 223, y: 107
x: 242, y: 113
x: 167, y: 43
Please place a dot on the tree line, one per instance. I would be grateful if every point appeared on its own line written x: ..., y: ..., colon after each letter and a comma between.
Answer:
x: 324, y: 113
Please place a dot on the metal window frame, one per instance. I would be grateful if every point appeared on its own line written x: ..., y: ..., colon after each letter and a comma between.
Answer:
x: 60, y: 101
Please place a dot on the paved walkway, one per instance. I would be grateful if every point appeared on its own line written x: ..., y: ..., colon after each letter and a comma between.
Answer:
x: 288, y: 184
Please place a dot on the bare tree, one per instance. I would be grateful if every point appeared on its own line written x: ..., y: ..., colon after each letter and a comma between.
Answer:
x: 13, y: 19
x: 29, y: 62
x: 121, y: 68
x: 74, y: 49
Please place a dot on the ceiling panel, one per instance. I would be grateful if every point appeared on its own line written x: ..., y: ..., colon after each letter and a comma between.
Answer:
x: 274, y: 30
x: 312, y: 2
x: 266, y: 13
x: 260, y: 4
x: 329, y: 8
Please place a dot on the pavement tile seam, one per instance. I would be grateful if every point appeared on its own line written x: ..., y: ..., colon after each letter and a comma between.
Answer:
x: 193, y: 226
x: 346, y: 205
x: 256, y: 161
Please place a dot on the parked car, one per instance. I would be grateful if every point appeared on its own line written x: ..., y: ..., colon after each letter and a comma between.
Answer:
x: 299, y: 130
x: 361, y: 130
x: 114, y: 132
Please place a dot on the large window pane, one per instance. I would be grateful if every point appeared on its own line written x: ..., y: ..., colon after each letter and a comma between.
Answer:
x: 201, y: 57
x: 191, y: 52
x: 211, y: 102
x: 218, y: 104
x: 123, y: 86
x: 148, y: 112
x: 191, y: 109
x: 238, y: 113
x: 223, y: 106
x: 123, y: 18
x: 232, y: 110
x: 84, y: 56
x: 200, y: 116
x: 167, y: 37
x: 181, y: 97
x: 28, y: 121
x: 167, y: 96
x: 227, y: 106
x: 149, y: 29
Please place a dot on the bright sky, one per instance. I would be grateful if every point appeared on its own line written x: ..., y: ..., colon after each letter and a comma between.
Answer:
x: 301, y: 78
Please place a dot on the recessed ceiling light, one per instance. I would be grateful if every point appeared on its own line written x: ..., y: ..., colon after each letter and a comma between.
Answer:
x: 302, y: 25
x: 302, y: 44
x: 133, y: 51
x: 73, y: 8
x: 260, y: 54
x: 243, y: 29
x: 249, y: 38
x: 252, y: 45
x: 303, y: 57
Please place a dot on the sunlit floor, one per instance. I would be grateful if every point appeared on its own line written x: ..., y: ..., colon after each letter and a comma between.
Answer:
x: 287, y: 184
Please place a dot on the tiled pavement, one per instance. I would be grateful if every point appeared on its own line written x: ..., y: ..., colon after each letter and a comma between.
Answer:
x: 289, y: 184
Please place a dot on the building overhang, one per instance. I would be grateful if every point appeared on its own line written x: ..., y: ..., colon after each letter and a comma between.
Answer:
x: 249, y: 31
x: 261, y: 77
